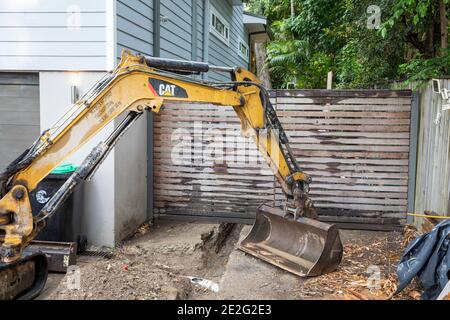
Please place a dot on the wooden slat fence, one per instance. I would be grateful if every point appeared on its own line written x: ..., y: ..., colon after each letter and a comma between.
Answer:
x: 190, y: 180
x: 354, y: 144
x: 433, y: 161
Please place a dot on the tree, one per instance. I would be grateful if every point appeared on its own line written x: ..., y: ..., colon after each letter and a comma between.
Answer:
x: 424, y: 26
x: 411, y: 42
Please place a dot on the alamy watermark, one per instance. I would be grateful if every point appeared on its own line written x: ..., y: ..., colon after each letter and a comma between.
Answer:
x: 374, y: 279
x: 73, y: 278
x: 73, y: 20
x: 374, y: 19
x: 205, y: 146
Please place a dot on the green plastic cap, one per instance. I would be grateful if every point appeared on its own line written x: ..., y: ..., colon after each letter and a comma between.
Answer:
x: 65, y: 168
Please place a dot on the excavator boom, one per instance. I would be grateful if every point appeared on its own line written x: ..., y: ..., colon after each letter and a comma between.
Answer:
x: 140, y: 84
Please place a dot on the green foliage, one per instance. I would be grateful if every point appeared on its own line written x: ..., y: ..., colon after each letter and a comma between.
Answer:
x: 416, y: 12
x: 274, y: 10
x: 334, y: 36
x: 419, y: 69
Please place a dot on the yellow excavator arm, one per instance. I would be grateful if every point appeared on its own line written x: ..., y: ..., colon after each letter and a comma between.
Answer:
x: 138, y: 84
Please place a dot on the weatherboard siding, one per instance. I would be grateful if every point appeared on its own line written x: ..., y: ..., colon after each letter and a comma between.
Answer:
x: 60, y: 35
x: 135, y: 31
x: 53, y: 35
x: 220, y: 53
x: 176, y: 29
x: 134, y: 26
x: 200, y: 52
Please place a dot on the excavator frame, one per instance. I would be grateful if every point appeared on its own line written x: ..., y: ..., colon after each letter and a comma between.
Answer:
x: 138, y: 84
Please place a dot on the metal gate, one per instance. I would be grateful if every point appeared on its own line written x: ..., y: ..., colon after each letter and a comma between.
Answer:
x: 19, y: 114
x: 355, y: 145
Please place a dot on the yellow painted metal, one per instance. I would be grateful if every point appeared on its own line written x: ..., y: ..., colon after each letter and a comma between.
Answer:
x: 300, y: 176
x: 19, y: 232
x: 426, y: 216
x: 252, y: 117
x: 129, y: 90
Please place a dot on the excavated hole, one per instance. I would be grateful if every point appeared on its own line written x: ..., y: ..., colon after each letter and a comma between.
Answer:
x: 215, y: 249
x: 218, y: 244
x: 156, y: 264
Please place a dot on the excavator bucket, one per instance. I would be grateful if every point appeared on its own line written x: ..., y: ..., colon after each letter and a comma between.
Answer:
x: 305, y: 247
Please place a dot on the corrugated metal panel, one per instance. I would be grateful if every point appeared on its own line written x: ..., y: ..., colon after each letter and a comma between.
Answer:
x: 433, y: 160
x: 135, y: 26
x: 53, y: 35
x: 19, y: 110
x: 355, y: 144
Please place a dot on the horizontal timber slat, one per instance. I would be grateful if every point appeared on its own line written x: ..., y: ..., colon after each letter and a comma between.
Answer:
x: 353, y: 143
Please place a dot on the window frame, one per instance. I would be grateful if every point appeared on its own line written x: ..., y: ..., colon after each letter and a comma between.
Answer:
x: 214, y: 31
x: 245, y: 57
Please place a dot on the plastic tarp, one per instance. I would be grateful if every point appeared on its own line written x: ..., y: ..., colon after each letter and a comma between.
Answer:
x: 428, y: 258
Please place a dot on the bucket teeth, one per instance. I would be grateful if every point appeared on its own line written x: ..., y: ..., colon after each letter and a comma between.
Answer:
x: 305, y: 247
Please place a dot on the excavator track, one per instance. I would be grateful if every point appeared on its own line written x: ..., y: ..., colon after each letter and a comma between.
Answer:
x: 25, y: 278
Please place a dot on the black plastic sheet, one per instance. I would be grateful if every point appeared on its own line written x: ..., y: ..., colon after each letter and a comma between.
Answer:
x: 428, y: 258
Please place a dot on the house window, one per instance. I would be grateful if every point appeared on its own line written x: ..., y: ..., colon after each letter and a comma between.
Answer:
x: 244, y: 50
x: 219, y: 27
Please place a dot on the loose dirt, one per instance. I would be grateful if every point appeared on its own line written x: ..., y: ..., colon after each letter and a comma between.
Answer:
x: 157, y: 261
x: 154, y: 264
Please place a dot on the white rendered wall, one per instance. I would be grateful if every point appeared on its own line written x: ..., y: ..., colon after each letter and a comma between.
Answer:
x: 55, y: 100
x: 115, y: 201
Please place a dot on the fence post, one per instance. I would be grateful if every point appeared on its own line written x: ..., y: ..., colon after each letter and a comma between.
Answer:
x: 413, y: 146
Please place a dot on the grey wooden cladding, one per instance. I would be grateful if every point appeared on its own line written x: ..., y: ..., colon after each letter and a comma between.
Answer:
x: 354, y: 144
x: 176, y: 32
x: 221, y: 54
x: 135, y: 26
x: 19, y: 114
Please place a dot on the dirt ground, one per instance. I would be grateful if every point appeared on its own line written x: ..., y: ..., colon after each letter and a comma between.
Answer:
x: 157, y: 262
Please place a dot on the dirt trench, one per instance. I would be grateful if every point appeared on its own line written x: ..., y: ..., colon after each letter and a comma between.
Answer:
x: 153, y: 264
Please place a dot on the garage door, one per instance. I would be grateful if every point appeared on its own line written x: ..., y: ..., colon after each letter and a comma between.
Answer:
x: 19, y: 114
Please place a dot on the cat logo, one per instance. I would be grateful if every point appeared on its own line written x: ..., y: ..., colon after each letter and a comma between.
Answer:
x: 166, y: 89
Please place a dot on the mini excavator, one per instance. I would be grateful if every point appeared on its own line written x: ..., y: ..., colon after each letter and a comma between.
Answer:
x: 291, y: 237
